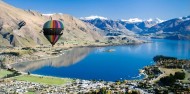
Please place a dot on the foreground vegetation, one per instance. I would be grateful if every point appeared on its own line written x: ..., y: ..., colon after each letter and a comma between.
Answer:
x: 43, y: 79
x: 169, y: 74
x: 4, y: 73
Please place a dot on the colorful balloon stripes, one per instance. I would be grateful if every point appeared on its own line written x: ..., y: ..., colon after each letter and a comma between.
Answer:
x: 53, y: 24
x: 53, y: 30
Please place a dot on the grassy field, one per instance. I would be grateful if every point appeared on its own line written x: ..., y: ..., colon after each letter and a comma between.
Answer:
x: 166, y: 72
x: 43, y: 80
x: 187, y: 76
x: 170, y: 71
x: 4, y: 73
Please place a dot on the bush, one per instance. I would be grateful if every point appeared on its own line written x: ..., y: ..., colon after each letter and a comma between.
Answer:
x: 11, y: 53
x: 15, y: 73
x: 97, y: 41
x: 179, y: 75
x: 26, y: 48
x: 168, y: 80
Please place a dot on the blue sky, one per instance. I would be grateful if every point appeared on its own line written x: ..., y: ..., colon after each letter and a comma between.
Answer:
x: 113, y: 9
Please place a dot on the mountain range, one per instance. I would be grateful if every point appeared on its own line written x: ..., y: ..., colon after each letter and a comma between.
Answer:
x: 177, y: 28
x: 133, y: 25
x: 20, y: 27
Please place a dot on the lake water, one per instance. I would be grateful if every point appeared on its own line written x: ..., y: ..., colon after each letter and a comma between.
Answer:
x: 96, y: 63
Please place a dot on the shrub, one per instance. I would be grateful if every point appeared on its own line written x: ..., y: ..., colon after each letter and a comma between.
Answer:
x: 168, y: 80
x: 11, y: 53
x: 179, y: 75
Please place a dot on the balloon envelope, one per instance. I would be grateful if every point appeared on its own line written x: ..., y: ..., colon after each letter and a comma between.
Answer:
x: 53, y: 30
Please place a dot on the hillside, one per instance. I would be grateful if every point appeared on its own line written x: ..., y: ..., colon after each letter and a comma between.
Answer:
x: 29, y: 35
x: 178, y: 28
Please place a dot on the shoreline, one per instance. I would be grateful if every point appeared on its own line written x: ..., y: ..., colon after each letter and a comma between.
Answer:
x: 136, y: 78
x: 78, y: 46
x: 81, y: 46
x: 70, y: 48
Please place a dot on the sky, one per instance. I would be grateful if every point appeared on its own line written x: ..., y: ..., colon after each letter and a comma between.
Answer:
x: 112, y: 9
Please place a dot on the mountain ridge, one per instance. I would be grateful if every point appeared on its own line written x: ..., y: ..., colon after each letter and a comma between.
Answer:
x: 29, y: 35
x: 169, y: 29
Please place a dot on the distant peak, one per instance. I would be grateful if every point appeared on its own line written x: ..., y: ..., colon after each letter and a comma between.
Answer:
x: 48, y: 14
x: 150, y: 20
x: 185, y: 18
x: 136, y: 20
x: 133, y: 20
x: 157, y: 20
x: 93, y: 17
x: 51, y: 14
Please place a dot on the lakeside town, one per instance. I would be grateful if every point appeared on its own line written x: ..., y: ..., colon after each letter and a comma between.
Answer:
x: 167, y: 75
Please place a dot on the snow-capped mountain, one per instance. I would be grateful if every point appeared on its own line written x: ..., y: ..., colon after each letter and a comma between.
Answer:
x: 178, y: 28
x: 184, y: 18
x: 137, y: 20
x: 109, y: 25
x: 136, y: 25
x: 93, y: 17
x: 51, y: 14
x: 176, y: 25
x: 156, y: 20
x: 133, y: 20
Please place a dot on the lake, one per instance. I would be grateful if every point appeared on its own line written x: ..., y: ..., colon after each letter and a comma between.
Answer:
x: 99, y: 63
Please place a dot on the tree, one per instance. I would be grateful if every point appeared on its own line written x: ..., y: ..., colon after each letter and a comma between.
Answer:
x: 179, y: 75
x: 28, y: 73
x: 102, y: 91
x: 161, y: 58
x: 168, y: 80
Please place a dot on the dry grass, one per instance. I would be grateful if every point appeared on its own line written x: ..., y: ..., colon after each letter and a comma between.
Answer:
x: 170, y: 71
x: 166, y: 72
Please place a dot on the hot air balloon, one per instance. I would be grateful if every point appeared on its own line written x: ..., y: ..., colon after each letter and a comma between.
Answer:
x: 53, y: 30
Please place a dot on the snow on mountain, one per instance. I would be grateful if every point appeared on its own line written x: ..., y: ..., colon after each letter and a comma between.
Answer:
x: 133, y: 20
x: 149, y: 20
x: 137, y: 20
x: 47, y: 14
x: 184, y: 18
x: 156, y: 20
x: 51, y: 14
x: 93, y: 17
x: 132, y: 24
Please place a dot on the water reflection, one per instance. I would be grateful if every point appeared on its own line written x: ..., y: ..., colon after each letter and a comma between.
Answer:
x: 101, y: 63
x: 68, y: 58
